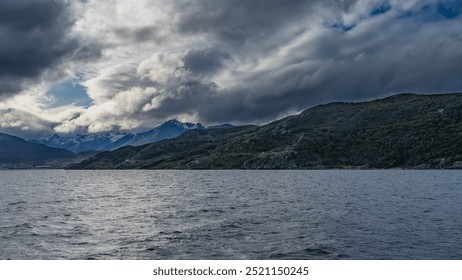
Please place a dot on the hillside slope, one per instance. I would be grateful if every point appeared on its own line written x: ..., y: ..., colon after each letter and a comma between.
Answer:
x: 401, y: 131
x: 14, y: 150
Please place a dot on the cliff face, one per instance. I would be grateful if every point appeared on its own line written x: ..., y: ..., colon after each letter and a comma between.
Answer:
x: 402, y: 131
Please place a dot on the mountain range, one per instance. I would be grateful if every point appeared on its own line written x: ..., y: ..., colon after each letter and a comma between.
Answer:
x: 57, y: 152
x: 19, y: 153
x: 401, y: 131
x: 112, y: 140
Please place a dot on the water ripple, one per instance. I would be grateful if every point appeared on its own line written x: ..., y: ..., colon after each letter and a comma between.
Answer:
x: 394, y: 214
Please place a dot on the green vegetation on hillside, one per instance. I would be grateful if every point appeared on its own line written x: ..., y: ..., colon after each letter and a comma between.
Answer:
x: 401, y: 131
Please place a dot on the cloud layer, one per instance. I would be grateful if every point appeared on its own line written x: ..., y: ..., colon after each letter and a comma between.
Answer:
x: 223, y: 61
x: 36, y: 41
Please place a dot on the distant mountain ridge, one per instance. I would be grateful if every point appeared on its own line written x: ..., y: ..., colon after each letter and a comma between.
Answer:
x: 83, y: 142
x: 401, y: 131
x: 112, y: 140
x: 167, y: 130
x: 15, y: 151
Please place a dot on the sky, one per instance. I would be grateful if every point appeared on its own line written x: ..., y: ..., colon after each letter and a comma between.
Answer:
x: 92, y: 66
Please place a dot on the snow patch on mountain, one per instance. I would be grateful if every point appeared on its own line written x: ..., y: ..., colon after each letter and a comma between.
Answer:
x: 113, y: 140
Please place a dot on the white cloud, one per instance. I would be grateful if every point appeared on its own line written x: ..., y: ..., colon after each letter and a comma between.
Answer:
x: 243, y: 61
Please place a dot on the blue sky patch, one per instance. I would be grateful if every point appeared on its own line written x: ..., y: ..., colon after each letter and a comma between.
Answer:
x: 449, y: 11
x: 382, y: 9
x: 436, y: 12
x: 341, y: 26
x: 69, y: 93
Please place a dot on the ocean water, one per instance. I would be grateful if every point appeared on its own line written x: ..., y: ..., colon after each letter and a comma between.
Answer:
x: 389, y: 214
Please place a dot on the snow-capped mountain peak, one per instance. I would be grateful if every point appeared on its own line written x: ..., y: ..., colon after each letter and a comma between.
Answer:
x: 115, y: 139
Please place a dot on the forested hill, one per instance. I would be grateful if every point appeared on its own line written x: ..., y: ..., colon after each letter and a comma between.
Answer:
x: 401, y: 131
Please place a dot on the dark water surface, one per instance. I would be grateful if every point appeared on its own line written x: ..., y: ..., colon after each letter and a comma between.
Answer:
x: 393, y: 214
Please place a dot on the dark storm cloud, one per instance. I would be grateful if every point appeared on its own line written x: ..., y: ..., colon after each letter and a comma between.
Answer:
x: 235, y: 22
x: 255, y: 61
x: 375, y: 57
x: 139, y: 34
x: 34, y: 37
x: 205, y: 61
